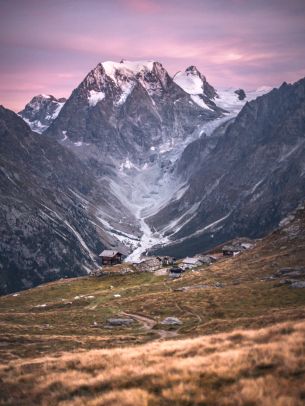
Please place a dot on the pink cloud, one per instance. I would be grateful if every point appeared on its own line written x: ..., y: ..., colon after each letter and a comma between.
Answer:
x: 142, y: 6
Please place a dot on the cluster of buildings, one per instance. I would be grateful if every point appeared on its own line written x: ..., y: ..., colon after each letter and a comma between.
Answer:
x: 155, y: 263
x: 111, y: 257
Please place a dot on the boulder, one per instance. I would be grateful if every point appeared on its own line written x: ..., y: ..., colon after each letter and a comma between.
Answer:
x: 298, y: 284
x: 171, y: 321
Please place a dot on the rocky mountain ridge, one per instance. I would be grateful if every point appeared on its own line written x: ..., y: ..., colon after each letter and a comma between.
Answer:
x: 245, y: 181
x: 41, y: 111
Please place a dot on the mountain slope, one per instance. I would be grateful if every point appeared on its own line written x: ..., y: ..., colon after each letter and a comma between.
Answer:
x: 41, y: 111
x: 245, y: 184
x: 53, y: 212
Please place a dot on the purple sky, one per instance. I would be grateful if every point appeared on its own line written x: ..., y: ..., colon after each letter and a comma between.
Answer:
x: 48, y: 46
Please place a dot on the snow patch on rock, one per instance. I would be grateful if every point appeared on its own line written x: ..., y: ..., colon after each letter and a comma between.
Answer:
x: 95, y: 97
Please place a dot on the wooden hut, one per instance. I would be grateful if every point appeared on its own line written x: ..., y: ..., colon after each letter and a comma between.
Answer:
x: 110, y: 257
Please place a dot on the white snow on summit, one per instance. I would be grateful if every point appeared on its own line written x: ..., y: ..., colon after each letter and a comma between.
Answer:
x: 189, y: 82
x: 125, y: 75
x: 129, y: 68
x: 192, y: 82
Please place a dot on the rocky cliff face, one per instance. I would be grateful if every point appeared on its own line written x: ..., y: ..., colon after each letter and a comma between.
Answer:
x: 124, y: 110
x: 53, y: 213
x: 41, y: 111
x: 247, y: 181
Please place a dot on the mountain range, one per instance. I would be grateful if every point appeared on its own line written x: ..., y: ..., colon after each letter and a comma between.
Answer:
x: 142, y: 161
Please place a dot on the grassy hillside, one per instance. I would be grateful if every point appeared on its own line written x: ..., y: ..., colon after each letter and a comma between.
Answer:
x: 247, y: 367
x: 234, y: 293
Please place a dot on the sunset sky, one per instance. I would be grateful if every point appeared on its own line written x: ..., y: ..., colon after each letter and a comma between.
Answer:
x: 48, y: 46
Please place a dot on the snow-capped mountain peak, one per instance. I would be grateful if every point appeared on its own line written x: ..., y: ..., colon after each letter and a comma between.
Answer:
x: 41, y: 111
x: 192, y: 70
x: 116, y: 71
x: 128, y: 107
x: 193, y: 82
x: 117, y: 79
x: 130, y: 68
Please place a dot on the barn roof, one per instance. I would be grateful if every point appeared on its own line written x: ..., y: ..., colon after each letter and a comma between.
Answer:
x: 191, y: 261
x: 109, y: 253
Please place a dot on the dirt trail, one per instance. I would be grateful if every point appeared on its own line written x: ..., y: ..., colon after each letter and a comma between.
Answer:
x: 186, y: 309
x: 148, y: 324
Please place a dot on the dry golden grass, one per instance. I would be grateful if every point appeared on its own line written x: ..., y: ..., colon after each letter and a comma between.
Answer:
x: 243, y: 367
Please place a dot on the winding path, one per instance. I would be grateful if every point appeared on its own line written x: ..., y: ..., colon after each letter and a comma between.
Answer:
x: 149, y: 323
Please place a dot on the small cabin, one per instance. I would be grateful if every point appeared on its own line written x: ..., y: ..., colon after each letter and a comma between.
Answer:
x: 110, y: 257
x: 230, y: 251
